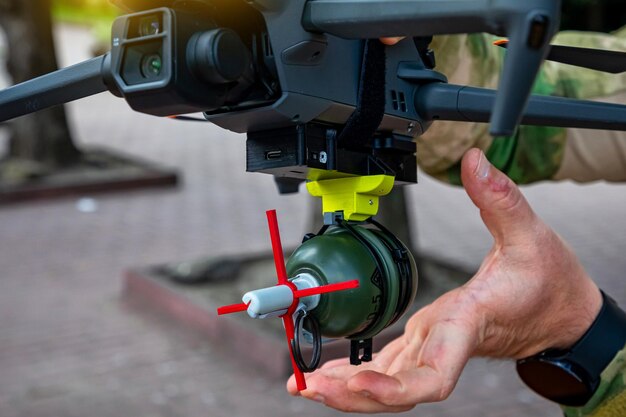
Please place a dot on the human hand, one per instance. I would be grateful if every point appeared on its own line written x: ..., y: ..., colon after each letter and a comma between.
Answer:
x: 530, y: 293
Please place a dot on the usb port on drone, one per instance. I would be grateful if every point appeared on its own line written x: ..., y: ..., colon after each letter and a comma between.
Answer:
x: 269, y: 155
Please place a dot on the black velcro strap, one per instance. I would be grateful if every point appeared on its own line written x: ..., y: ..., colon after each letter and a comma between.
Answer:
x: 370, y: 106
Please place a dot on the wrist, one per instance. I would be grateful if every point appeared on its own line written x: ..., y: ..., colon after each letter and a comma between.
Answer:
x: 571, y: 376
x: 579, y: 317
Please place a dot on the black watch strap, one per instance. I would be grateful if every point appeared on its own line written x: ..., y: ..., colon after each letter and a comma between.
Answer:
x: 571, y: 377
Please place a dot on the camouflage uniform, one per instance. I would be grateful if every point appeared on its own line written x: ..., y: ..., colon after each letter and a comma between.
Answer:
x: 534, y: 153
x: 537, y: 153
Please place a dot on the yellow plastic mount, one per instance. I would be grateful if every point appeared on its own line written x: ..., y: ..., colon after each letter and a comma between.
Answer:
x: 357, y: 197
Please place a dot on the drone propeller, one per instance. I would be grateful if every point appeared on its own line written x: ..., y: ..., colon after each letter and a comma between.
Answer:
x: 283, y: 299
x: 613, y: 62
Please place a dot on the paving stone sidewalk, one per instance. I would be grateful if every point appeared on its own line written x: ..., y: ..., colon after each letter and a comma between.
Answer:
x: 71, y: 346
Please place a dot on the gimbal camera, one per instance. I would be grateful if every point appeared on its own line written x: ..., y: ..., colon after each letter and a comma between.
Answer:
x: 323, y: 101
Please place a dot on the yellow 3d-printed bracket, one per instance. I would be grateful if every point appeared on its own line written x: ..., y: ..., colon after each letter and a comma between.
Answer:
x: 357, y: 197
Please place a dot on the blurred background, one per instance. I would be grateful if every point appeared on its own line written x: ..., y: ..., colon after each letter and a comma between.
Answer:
x: 73, y: 343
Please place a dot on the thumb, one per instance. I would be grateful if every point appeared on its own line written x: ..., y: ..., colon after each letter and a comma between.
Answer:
x: 503, y: 208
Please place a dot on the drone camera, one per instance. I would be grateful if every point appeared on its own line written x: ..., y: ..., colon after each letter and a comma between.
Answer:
x: 143, y: 63
x: 143, y: 50
x: 150, y: 25
x: 169, y: 61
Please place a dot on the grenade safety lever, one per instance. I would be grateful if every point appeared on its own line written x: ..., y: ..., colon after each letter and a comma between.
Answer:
x: 283, y: 299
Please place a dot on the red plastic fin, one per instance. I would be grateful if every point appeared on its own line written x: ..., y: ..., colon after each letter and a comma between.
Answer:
x: 340, y: 286
x: 277, y: 247
x: 289, y: 331
x: 233, y: 308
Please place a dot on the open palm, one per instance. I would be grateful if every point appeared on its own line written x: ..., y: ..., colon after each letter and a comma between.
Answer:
x: 530, y: 294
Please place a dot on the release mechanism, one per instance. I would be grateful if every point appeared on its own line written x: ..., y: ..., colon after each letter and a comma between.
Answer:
x: 356, y: 197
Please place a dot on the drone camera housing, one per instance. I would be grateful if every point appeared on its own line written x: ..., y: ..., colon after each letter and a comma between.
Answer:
x: 157, y: 67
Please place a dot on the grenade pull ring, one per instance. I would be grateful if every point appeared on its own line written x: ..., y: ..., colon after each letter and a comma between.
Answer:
x: 283, y: 299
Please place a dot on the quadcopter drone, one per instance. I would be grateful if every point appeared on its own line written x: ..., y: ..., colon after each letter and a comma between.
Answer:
x: 322, y: 101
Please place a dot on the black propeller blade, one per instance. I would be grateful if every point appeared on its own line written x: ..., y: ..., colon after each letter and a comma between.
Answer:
x: 613, y: 62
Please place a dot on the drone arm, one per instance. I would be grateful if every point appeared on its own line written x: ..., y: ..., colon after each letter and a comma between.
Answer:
x: 357, y: 19
x: 439, y: 101
x: 367, y: 19
x: 68, y: 84
x: 530, y: 25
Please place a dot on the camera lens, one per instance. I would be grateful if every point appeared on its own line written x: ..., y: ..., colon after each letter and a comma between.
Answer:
x: 150, y: 25
x: 151, y: 66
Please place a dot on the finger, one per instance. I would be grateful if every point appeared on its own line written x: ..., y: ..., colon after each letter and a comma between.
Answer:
x: 339, y: 369
x: 389, y: 353
x: 504, y: 209
x: 342, y: 370
x: 336, y: 362
x: 405, y: 359
x: 415, y: 331
x: 380, y: 361
x: 292, y: 387
x: 445, y: 352
x: 391, y: 41
x: 334, y: 393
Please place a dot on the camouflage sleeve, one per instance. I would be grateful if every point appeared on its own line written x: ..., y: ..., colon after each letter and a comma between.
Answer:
x: 610, y: 398
x: 534, y: 153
